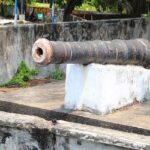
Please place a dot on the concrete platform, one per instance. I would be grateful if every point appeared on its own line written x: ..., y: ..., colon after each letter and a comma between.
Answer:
x: 47, y: 101
x: 102, y: 89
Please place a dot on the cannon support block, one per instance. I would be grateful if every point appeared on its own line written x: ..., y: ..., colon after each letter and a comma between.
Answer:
x: 104, y: 88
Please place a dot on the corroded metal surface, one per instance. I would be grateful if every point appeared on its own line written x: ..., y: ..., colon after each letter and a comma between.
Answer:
x: 121, y: 52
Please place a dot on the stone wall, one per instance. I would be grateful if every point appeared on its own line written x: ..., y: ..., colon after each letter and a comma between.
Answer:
x: 22, y: 132
x: 16, y: 42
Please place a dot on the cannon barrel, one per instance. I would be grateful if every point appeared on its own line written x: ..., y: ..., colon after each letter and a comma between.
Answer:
x: 121, y: 52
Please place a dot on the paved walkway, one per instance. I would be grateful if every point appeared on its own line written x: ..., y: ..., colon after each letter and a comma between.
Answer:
x: 47, y: 101
x: 46, y: 96
x: 11, y: 21
x: 6, y: 21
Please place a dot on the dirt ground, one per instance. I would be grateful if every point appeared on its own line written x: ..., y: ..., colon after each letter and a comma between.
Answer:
x: 29, y: 84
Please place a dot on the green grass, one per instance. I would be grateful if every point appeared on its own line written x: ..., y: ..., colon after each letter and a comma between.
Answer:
x: 57, y: 74
x: 148, y: 14
x: 21, y: 77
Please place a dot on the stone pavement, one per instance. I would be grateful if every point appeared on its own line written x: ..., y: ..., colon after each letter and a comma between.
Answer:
x: 11, y: 21
x: 47, y: 101
x: 46, y: 96
x: 6, y: 21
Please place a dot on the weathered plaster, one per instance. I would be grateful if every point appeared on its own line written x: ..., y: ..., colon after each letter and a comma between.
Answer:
x: 34, y: 133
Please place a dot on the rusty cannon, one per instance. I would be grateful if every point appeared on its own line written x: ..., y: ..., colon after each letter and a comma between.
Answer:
x: 122, y: 52
x: 95, y: 87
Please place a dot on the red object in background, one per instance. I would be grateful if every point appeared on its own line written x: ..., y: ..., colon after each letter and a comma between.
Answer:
x: 45, y: 11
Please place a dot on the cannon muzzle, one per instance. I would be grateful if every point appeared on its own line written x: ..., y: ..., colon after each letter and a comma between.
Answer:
x: 123, y: 52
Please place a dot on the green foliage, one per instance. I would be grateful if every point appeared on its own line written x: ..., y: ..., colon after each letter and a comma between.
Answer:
x: 148, y: 14
x: 39, y: 5
x: 33, y: 1
x: 22, y: 75
x: 6, y: 2
x: 60, y: 3
x: 99, y: 5
x: 87, y: 6
x: 105, y: 5
x: 57, y: 74
x: 11, y: 2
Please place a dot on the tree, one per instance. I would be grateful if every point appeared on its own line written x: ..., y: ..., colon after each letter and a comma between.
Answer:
x: 4, y: 2
x: 105, y: 5
x: 71, y: 4
x: 136, y: 7
x: 8, y: 2
x: 61, y: 3
x: 131, y: 7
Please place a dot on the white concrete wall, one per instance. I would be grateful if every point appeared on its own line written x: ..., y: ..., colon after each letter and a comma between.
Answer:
x: 104, y: 88
x: 16, y: 45
x: 63, y: 143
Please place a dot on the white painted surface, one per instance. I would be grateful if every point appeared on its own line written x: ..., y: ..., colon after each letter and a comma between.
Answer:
x: 75, y: 144
x: 103, y: 88
x: 21, y: 17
